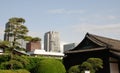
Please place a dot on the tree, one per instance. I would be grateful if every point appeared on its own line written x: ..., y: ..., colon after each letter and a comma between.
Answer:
x: 32, y: 39
x: 96, y: 63
x: 16, y: 29
x: 4, y: 45
x: 92, y: 64
x: 74, y: 69
x: 35, y: 39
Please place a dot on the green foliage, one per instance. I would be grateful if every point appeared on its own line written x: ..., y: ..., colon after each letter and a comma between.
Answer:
x: 92, y: 64
x: 50, y: 66
x: 14, y: 71
x: 86, y: 66
x: 5, y: 45
x: 74, y: 69
x: 96, y: 63
x: 28, y: 38
x: 32, y: 64
x: 35, y: 39
x: 4, y: 58
x: 17, y: 62
x: 12, y: 63
x: 16, y: 29
x: 32, y: 39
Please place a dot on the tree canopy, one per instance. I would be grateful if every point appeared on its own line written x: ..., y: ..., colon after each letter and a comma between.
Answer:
x: 16, y: 29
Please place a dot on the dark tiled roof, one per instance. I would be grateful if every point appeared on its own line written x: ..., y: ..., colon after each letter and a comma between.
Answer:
x: 106, y: 43
x: 110, y: 43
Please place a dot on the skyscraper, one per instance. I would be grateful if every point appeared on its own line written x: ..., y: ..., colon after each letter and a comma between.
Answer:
x: 52, y: 41
x: 7, y: 36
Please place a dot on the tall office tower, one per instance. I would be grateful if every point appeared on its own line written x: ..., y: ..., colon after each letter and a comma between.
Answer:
x: 7, y: 36
x: 52, y: 41
x: 10, y: 38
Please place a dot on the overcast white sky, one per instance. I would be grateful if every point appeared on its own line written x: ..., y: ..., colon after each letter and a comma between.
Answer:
x: 71, y: 18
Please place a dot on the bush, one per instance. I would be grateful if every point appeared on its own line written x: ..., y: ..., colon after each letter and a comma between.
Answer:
x: 17, y: 62
x: 33, y: 62
x: 14, y: 71
x: 50, y: 66
x: 92, y: 64
x: 74, y: 69
x: 12, y: 63
x: 4, y: 58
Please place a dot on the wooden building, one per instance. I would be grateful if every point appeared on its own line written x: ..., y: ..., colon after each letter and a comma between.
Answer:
x: 98, y: 47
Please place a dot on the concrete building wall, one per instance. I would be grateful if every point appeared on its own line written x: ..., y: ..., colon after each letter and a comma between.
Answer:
x: 52, y: 41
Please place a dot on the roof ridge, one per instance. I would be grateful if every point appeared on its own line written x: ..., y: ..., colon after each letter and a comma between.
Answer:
x: 95, y: 37
x: 103, y: 37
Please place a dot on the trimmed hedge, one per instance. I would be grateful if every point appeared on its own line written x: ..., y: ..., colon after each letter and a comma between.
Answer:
x: 14, y: 71
x: 50, y: 66
x: 31, y: 64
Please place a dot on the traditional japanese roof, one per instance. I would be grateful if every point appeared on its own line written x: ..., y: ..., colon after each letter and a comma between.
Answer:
x: 103, y: 43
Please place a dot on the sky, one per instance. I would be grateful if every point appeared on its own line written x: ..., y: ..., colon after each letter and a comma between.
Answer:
x: 71, y: 18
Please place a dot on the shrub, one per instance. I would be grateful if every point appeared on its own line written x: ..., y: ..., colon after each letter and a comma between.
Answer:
x: 92, y: 64
x: 14, y: 71
x: 17, y: 62
x: 33, y: 62
x: 74, y: 69
x: 50, y: 66
x: 96, y: 63
x: 4, y: 58
x: 12, y: 63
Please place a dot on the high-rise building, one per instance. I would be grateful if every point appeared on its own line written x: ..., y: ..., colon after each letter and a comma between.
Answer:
x: 7, y: 36
x: 52, y: 41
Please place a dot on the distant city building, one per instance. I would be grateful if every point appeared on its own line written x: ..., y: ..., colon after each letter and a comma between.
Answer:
x: 69, y: 46
x: 7, y: 36
x: 10, y: 38
x: 52, y: 41
x: 33, y: 45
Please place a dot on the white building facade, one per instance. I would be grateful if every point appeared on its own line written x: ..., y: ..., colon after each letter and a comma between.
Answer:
x: 52, y: 41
